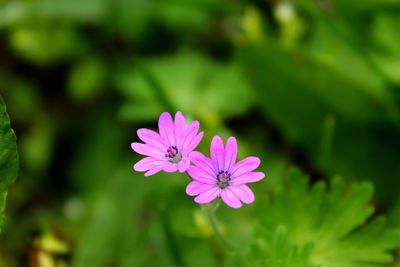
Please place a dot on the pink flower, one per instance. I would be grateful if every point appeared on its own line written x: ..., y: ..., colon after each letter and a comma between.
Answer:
x: 168, y: 151
x: 221, y: 176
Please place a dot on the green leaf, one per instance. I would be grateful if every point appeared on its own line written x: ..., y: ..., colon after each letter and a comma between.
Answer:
x: 45, y: 43
x: 8, y: 151
x: 276, y: 251
x: 87, y: 79
x: 386, y: 34
x: 188, y: 82
x: 8, y: 157
x: 334, y: 226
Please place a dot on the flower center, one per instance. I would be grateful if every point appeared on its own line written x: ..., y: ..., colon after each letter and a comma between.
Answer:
x: 223, y: 179
x: 173, y: 155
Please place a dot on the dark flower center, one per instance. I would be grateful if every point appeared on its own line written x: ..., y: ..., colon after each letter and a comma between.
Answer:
x: 173, y: 155
x: 223, y: 179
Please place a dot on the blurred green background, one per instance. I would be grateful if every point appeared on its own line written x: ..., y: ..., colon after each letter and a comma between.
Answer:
x: 309, y: 83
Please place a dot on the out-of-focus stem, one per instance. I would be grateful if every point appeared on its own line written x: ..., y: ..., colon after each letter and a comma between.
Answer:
x: 209, y: 211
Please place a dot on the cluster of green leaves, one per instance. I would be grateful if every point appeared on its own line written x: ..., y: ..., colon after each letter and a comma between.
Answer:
x: 304, y: 226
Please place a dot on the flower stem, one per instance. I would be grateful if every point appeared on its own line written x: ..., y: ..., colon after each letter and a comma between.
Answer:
x: 209, y: 210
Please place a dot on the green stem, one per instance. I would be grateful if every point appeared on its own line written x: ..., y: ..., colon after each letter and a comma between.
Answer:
x: 209, y: 210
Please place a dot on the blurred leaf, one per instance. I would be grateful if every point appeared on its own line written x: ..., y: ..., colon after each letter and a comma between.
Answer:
x: 142, y: 102
x: 386, y: 35
x: 51, y: 244
x: 190, y: 83
x: 22, y: 96
x: 45, y: 43
x: 8, y: 157
x: 252, y: 25
x: 86, y: 79
x: 329, y: 50
x: 37, y: 145
x: 339, y: 45
x: 292, y: 26
x: 8, y: 151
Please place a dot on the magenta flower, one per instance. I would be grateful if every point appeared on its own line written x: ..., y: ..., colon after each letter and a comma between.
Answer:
x: 168, y: 151
x: 221, y: 176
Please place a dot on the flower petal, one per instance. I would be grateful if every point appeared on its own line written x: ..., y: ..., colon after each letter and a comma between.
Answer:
x: 189, y: 134
x: 147, y: 150
x: 151, y: 138
x: 184, y: 164
x: 194, y: 142
x: 170, y: 167
x: 179, y: 128
x: 230, y: 198
x: 230, y: 153
x: 246, y: 165
x: 166, y: 128
x: 195, y: 188
x: 203, y: 162
x: 243, y: 192
x: 208, y: 195
x: 200, y: 175
x: 146, y: 164
x: 154, y: 170
x: 217, y: 152
x: 249, y: 177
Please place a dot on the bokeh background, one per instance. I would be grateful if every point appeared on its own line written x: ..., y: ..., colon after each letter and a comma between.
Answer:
x: 310, y: 84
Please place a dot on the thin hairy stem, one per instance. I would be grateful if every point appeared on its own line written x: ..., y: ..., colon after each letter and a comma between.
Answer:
x: 209, y: 211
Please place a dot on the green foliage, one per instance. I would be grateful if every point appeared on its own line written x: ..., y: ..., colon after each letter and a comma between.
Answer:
x: 312, y: 92
x: 8, y: 157
x: 306, y: 83
x: 45, y: 44
x: 144, y: 219
x: 203, y: 86
x: 320, y: 227
x: 276, y: 251
x: 387, y: 53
